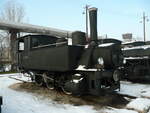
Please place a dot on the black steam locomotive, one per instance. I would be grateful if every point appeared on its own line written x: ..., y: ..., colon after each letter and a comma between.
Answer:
x: 137, y: 61
x: 75, y: 66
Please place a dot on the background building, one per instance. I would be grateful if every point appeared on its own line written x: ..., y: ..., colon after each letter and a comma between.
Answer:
x: 127, y: 37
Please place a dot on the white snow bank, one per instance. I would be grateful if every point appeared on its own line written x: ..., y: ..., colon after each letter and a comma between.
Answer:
x: 23, y: 102
x: 23, y: 77
x: 114, y: 110
x: 133, y: 89
x: 146, y: 93
x: 139, y: 104
x: 19, y: 76
x: 11, y: 74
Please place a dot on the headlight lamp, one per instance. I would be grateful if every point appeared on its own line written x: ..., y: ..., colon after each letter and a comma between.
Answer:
x: 100, y: 63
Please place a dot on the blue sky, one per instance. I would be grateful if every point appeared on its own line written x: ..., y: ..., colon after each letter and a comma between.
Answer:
x: 115, y: 17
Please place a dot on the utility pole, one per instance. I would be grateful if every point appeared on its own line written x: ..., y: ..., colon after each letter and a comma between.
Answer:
x: 144, y: 26
x: 106, y: 36
x: 86, y: 14
x: 145, y: 19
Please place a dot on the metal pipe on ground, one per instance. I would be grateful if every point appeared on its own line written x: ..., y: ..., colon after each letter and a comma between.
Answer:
x: 29, y: 28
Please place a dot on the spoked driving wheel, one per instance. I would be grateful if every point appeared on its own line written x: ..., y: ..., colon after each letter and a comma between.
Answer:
x: 38, y: 80
x: 48, y: 81
x: 65, y: 90
x: 74, y: 85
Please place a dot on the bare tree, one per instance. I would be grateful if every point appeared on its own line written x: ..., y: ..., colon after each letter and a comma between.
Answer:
x: 12, y: 12
x: 2, y: 46
x: 2, y: 49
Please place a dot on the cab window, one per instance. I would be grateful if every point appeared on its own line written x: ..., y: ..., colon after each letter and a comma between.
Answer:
x: 41, y: 41
x: 21, y: 45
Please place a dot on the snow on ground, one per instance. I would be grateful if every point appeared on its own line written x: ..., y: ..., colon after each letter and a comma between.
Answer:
x: 19, y: 76
x: 140, y: 104
x: 7, y: 75
x: 114, y: 110
x: 133, y: 89
x: 137, y: 90
x: 22, y: 102
x: 146, y: 94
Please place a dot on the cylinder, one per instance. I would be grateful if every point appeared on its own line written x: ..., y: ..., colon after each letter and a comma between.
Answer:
x: 93, y: 23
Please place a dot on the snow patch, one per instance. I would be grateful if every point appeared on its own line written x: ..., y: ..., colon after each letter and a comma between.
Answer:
x: 22, y: 102
x: 105, y: 45
x: 140, y: 104
x: 145, y: 93
x: 114, y: 110
x: 11, y: 74
x: 133, y: 89
x: 137, y: 47
x: 82, y: 68
x: 145, y: 57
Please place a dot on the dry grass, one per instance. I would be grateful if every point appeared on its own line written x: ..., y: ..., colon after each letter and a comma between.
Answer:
x: 113, y: 100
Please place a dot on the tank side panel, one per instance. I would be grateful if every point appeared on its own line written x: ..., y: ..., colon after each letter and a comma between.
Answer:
x: 62, y: 58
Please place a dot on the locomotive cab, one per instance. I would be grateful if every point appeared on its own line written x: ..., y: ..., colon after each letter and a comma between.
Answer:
x: 53, y: 50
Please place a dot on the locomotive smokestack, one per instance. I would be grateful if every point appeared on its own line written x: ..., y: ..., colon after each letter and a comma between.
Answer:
x: 93, y: 23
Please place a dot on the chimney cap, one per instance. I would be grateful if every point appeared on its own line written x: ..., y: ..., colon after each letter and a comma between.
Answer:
x: 93, y: 8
